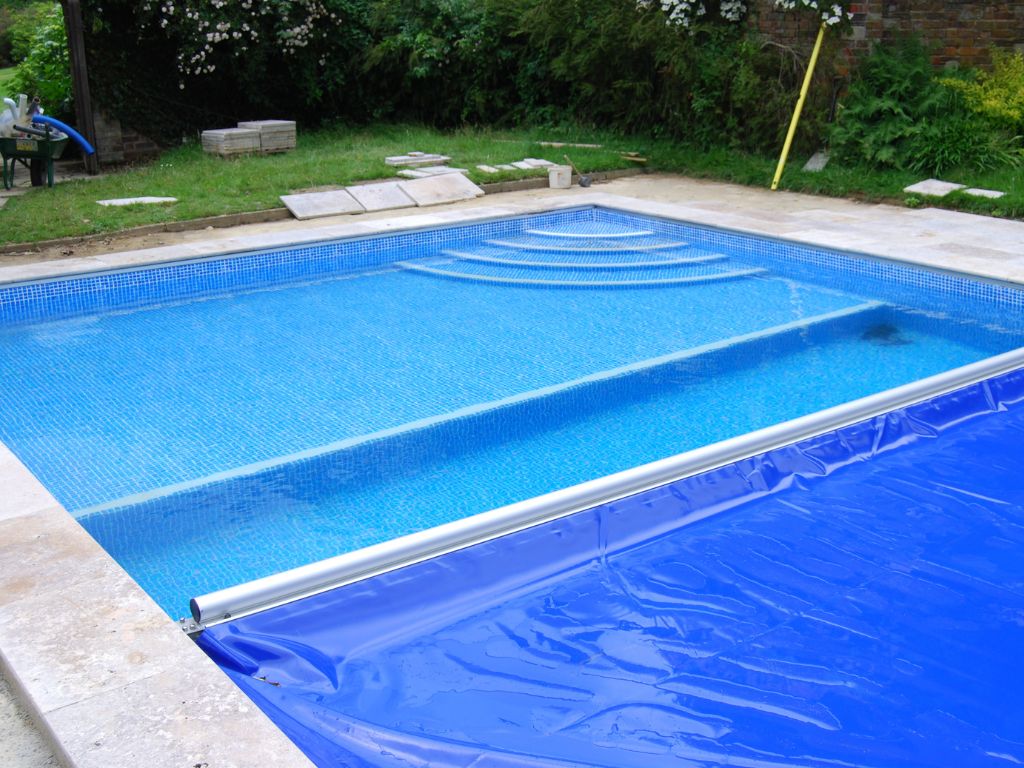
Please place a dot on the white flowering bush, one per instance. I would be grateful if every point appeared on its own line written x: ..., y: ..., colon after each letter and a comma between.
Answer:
x: 170, y: 67
x: 686, y: 13
x: 208, y: 30
x: 832, y: 14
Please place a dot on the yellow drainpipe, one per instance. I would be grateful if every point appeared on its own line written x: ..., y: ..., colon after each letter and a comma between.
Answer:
x: 799, y: 107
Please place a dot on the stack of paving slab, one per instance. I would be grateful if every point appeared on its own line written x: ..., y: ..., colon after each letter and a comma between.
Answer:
x: 275, y: 135
x: 527, y: 164
x: 420, y: 165
x: 430, y: 170
x: 229, y: 142
x: 414, y: 159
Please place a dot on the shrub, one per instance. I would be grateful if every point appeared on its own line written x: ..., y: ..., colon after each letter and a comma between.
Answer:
x: 18, y: 21
x: 210, y: 63
x: 997, y: 95
x: 443, y: 61
x: 898, y: 114
x: 45, y: 70
x: 629, y: 65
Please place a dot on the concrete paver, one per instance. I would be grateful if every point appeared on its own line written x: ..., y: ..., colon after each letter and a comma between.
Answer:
x: 23, y: 745
x: 312, y: 205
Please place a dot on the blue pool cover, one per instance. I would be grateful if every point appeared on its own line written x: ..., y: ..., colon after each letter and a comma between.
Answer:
x: 856, y: 599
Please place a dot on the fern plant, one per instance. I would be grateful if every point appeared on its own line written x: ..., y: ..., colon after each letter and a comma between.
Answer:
x: 898, y: 114
x: 883, y: 112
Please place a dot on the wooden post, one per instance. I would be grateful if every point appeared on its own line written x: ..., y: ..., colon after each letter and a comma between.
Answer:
x: 80, y: 78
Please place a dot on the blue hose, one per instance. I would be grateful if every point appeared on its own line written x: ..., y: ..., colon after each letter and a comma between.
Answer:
x: 47, y: 120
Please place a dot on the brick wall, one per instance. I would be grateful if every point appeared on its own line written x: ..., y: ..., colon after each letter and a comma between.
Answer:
x: 116, y: 144
x: 961, y: 31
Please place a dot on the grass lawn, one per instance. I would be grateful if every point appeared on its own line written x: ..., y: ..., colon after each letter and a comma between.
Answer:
x: 206, y: 185
x: 867, y: 184
x: 6, y: 76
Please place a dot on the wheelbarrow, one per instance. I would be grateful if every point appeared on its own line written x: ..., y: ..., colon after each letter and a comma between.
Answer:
x: 35, y: 152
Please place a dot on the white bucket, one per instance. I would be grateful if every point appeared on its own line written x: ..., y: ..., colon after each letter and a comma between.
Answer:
x: 559, y: 177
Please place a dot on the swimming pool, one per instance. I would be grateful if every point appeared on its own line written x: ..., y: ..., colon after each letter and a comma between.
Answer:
x: 254, y: 413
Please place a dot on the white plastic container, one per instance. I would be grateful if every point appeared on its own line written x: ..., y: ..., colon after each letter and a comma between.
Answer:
x: 559, y: 177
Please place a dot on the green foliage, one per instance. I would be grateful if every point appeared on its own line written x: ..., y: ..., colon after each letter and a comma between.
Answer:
x: 444, y: 62
x: 45, y: 70
x: 959, y: 141
x: 595, y: 61
x: 226, y: 61
x: 6, y: 81
x: 605, y: 63
x: 18, y: 21
x: 898, y: 114
x: 601, y: 63
x: 997, y: 95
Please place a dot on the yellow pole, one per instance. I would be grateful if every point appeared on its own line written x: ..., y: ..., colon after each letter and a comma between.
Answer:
x: 799, y: 107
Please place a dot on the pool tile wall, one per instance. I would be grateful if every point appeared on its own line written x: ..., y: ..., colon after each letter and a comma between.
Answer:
x: 59, y: 298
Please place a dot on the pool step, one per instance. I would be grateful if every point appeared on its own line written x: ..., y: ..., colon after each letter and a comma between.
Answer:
x: 577, y: 277
x: 515, y: 262
x: 587, y: 245
x: 577, y: 234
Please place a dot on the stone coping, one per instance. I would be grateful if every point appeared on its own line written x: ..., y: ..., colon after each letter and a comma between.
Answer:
x: 110, y: 680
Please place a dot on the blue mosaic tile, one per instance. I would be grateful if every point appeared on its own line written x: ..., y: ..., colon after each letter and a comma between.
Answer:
x: 271, y: 379
x: 50, y: 299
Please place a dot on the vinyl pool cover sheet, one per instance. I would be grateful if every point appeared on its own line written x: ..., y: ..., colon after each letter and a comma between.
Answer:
x: 856, y: 599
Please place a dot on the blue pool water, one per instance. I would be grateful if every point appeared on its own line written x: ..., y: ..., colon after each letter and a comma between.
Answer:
x: 258, y: 413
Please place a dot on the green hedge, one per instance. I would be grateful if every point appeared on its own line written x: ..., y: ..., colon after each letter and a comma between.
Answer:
x: 604, y: 63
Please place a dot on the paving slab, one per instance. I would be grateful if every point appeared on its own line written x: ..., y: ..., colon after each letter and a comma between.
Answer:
x: 35, y: 628
x: 231, y: 141
x: 163, y: 722
x: 568, y: 144
x: 537, y: 162
x: 441, y: 189
x: 487, y: 168
x: 413, y: 159
x: 990, y: 193
x: 22, y: 493
x: 817, y: 162
x: 522, y: 165
x: 381, y: 197
x: 506, y: 167
x: 312, y: 205
x: 147, y: 200
x: 933, y: 187
x: 24, y: 746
